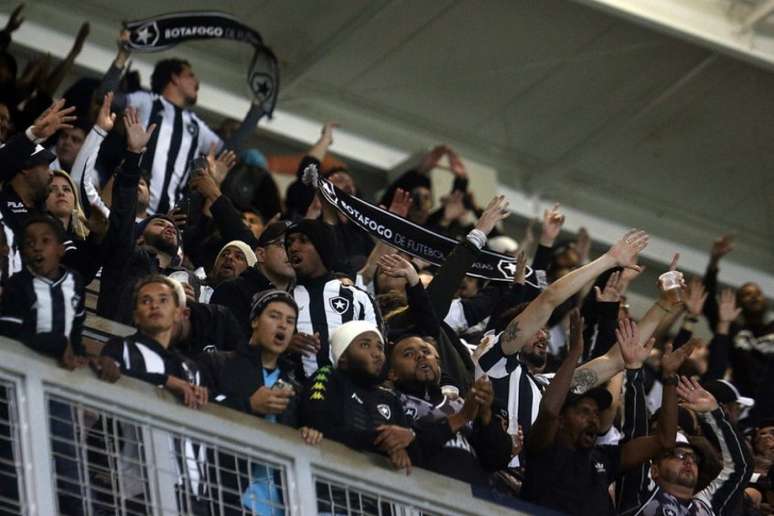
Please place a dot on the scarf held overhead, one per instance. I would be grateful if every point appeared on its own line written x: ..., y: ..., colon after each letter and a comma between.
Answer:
x: 411, y: 238
x: 165, y: 31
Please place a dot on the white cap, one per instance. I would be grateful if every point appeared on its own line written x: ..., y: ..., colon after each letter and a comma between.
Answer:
x: 344, y: 335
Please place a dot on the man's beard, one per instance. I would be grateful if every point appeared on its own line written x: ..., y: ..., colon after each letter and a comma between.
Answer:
x: 533, y: 359
x: 681, y: 480
x: 360, y: 375
x: 161, y: 244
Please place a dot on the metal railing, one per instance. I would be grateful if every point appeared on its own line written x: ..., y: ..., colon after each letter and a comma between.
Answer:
x: 72, y: 444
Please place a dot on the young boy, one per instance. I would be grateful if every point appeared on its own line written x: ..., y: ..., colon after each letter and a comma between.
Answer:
x: 43, y: 304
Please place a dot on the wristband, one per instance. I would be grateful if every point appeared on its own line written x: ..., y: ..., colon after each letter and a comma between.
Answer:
x: 669, y: 380
x: 477, y: 238
x: 691, y: 319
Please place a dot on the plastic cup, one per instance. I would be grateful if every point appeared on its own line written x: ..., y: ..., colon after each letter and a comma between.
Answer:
x: 671, y: 280
x: 450, y: 391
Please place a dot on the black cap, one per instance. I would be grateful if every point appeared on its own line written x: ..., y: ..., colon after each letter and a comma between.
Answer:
x: 725, y: 392
x: 599, y: 394
x: 39, y: 156
x: 272, y: 232
x: 262, y: 299
x: 710, y: 465
x: 321, y: 236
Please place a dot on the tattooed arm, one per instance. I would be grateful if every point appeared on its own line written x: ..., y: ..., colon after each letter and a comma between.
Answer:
x: 524, y: 326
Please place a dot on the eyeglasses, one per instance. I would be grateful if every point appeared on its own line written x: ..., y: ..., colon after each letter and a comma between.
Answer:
x: 685, y: 456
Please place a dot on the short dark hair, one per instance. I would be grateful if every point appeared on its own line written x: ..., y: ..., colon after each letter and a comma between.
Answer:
x: 154, y: 278
x: 50, y: 221
x: 164, y: 71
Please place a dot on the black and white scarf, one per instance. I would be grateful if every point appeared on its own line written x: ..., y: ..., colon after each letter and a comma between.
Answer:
x: 167, y: 30
x: 412, y: 238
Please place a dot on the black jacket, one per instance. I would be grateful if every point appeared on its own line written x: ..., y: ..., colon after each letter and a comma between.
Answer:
x: 234, y: 376
x: 237, y: 295
x: 348, y: 412
x: 468, y: 455
x: 213, y: 327
x: 124, y: 262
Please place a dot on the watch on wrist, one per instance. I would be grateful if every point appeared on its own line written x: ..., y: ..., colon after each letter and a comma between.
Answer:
x: 669, y: 380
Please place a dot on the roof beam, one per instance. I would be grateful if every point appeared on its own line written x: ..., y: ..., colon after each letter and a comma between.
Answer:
x: 706, y: 23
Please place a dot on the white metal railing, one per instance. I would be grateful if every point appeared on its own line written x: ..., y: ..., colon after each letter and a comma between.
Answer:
x: 69, y: 439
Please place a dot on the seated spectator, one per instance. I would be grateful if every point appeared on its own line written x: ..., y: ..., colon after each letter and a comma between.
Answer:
x: 43, y: 307
x: 566, y: 469
x: 257, y: 379
x: 271, y: 270
x: 461, y: 438
x: 345, y: 402
x: 43, y: 304
x: 325, y: 302
x: 233, y: 259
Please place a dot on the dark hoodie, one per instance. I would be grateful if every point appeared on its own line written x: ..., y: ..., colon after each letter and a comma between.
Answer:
x: 237, y: 295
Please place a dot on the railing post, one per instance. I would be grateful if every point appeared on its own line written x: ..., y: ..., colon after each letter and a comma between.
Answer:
x: 301, y: 487
x: 36, y: 445
x: 161, y: 477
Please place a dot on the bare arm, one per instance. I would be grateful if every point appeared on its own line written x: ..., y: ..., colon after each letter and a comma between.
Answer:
x: 320, y: 149
x: 524, y: 326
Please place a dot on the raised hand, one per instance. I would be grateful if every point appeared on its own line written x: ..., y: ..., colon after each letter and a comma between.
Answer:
x: 398, y: 267
x: 727, y: 309
x: 576, y: 334
x: 137, y: 136
x: 15, y: 20
x: 583, y: 244
x: 221, y: 165
x: 106, y: 119
x: 672, y: 360
x: 613, y: 290
x: 628, y: 336
x: 304, y: 343
x: 521, y: 268
x: 721, y: 247
x: 456, y: 164
x: 483, y: 394
x: 625, y: 251
x: 122, y: 42
x: 672, y: 296
x: 326, y: 133
x: 496, y: 210
x: 695, y: 297
x: 553, y: 220
x: 401, y: 203
x: 80, y: 39
x: 694, y: 397
x: 56, y: 117
x: 453, y: 207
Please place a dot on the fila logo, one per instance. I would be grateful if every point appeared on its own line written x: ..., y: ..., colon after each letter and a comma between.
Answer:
x: 356, y: 398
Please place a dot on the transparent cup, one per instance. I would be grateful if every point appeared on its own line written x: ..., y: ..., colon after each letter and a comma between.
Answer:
x: 450, y: 391
x: 671, y: 280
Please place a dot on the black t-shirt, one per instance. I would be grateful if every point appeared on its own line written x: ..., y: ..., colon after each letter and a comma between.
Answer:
x: 574, y: 481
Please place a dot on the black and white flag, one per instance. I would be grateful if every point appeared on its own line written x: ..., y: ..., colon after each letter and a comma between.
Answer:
x: 167, y: 30
x: 412, y: 238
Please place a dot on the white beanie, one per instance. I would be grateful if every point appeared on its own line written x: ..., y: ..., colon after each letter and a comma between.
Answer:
x: 344, y: 335
x: 249, y: 253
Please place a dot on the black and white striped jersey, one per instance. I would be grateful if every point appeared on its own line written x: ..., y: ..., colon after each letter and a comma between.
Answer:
x: 44, y: 314
x: 514, y: 387
x: 180, y: 136
x: 324, y: 304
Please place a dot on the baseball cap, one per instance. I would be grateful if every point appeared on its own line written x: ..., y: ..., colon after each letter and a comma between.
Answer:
x: 599, y: 394
x: 272, y: 232
x: 725, y: 392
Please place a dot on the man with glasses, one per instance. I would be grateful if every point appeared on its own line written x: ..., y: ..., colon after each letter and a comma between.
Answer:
x: 271, y: 271
x: 684, y: 481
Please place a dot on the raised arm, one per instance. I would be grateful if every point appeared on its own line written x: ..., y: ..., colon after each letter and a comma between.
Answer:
x: 720, y: 345
x: 642, y: 449
x: 112, y: 77
x: 546, y: 426
x: 84, y: 174
x: 720, y: 247
x: 534, y: 317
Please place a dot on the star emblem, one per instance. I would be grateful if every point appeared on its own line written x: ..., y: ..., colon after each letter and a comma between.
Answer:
x: 143, y: 35
x: 339, y: 304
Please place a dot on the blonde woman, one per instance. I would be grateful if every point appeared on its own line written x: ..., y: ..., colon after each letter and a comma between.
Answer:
x: 82, y: 249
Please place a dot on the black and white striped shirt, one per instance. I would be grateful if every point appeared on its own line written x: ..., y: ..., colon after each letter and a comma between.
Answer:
x: 44, y: 314
x: 324, y: 304
x: 180, y: 136
x: 515, y: 388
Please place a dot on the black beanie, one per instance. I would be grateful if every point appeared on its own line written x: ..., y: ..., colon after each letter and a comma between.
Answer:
x: 321, y: 236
